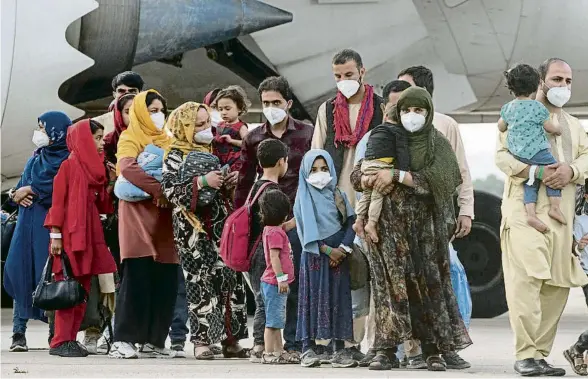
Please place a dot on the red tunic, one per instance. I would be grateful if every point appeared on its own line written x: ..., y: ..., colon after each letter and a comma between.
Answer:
x: 226, y: 152
x: 95, y: 258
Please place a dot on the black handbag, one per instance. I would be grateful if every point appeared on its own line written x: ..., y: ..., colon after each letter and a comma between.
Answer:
x: 7, y: 231
x: 61, y: 294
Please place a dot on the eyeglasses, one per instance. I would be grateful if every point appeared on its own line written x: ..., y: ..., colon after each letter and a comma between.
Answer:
x: 124, y: 91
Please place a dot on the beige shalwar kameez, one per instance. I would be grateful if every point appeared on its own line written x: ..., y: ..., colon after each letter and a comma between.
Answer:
x: 539, y: 269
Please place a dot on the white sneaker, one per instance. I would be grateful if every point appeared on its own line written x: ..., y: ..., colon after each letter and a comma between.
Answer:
x: 123, y: 350
x: 150, y: 351
x: 102, y: 347
x: 91, y: 342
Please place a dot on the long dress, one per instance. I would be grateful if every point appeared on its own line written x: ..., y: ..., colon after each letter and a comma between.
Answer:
x: 410, y: 277
x: 28, y: 253
x: 324, y: 294
x: 215, y: 294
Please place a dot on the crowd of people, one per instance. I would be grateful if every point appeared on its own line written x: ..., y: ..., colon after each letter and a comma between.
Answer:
x: 139, y: 199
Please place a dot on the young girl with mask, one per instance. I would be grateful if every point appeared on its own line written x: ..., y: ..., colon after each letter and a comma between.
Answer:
x: 198, y: 192
x: 528, y: 122
x: 29, y: 246
x: 149, y: 267
x: 324, y: 220
x: 80, y: 195
x: 231, y: 103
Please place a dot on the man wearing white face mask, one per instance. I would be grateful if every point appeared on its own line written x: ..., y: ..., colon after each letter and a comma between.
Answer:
x: 539, y: 269
x: 342, y: 121
x: 276, y: 98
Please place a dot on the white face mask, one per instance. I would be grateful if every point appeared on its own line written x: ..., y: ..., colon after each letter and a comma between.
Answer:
x: 319, y: 179
x: 204, y: 137
x: 274, y: 115
x: 158, y: 119
x: 348, y: 87
x: 559, y: 96
x: 413, y: 122
x: 215, y: 118
x: 40, y: 139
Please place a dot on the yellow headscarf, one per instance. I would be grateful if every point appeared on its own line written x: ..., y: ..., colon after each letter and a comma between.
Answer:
x: 141, y: 131
x: 182, y: 123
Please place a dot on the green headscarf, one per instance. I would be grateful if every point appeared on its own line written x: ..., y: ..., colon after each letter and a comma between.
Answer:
x: 430, y: 152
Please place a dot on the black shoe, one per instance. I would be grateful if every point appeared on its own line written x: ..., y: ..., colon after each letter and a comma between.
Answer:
x: 50, y: 338
x: 355, y: 353
x: 310, y: 359
x: 69, y: 349
x: 528, y: 367
x: 19, y: 343
x: 455, y: 362
x: 365, y: 362
x: 549, y: 370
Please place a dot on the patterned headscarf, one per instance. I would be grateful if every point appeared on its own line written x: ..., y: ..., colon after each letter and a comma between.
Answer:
x: 182, y: 124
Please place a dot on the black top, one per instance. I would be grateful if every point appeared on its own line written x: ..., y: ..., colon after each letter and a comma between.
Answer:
x: 256, y: 225
x: 389, y: 140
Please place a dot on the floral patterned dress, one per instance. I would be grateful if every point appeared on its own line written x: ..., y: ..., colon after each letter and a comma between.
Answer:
x: 215, y: 294
x: 410, y: 277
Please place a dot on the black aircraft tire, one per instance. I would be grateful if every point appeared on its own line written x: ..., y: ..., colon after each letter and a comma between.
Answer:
x: 481, y: 257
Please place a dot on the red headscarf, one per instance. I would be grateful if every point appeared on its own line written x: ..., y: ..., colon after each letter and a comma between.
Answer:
x: 87, y: 176
x: 111, y: 139
x: 343, y: 133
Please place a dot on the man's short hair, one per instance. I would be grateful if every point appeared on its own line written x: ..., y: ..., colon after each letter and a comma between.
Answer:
x: 277, y: 84
x: 129, y: 79
x: 544, y: 67
x: 421, y: 76
x: 347, y: 55
x: 270, y: 151
x: 394, y: 86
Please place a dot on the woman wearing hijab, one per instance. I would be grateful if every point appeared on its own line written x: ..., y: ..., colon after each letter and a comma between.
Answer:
x: 30, y: 242
x: 324, y: 220
x: 191, y: 180
x: 149, y: 267
x: 80, y: 195
x: 410, y: 277
x: 121, y: 112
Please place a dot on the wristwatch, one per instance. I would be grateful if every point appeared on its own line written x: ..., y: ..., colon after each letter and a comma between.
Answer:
x: 346, y: 248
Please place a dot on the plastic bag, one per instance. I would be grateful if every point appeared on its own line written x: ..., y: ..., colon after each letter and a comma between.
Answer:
x: 461, y: 286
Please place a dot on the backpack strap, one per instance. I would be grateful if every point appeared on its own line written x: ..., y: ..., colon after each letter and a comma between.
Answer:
x: 250, y: 201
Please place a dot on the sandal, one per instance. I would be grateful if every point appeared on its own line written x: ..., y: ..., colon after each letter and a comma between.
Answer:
x: 576, y: 361
x: 242, y: 353
x: 292, y: 357
x: 435, y: 363
x: 273, y: 359
x: 203, y: 352
x: 380, y: 362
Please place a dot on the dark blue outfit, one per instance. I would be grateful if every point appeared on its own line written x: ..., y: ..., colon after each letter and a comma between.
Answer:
x: 29, y: 248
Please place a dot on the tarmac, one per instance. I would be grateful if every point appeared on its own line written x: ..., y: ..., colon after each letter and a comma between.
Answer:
x: 491, y: 355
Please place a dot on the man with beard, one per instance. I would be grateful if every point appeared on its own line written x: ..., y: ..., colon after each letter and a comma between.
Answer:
x: 539, y: 269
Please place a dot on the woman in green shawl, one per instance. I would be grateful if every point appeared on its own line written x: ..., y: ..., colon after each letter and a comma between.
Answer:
x: 410, y: 278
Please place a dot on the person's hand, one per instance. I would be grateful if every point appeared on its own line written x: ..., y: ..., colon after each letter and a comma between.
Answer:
x: 337, y: 255
x: 463, y: 227
x: 384, y: 182
x: 583, y: 242
x: 560, y: 178
x: 111, y: 171
x: 231, y: 179
x: 283, y: 287
x: 162, y: 202
x: 367, y: 181
x: 26, y: 202
x: 214, y: 179
x: 56, y: 246
x: 289, y: 225
x: 23, y: 193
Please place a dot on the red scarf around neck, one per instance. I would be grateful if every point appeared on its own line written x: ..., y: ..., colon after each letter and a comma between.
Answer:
x: 343, y: 132
x: 87, y: 176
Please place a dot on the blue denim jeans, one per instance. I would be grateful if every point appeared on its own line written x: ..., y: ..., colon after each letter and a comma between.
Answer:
x: 19, y: 325
x: 542, y: 158
x: 179, y: 328
x: 275, y: 306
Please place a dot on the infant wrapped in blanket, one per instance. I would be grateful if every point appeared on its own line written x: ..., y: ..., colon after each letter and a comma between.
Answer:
x: 151, y: 161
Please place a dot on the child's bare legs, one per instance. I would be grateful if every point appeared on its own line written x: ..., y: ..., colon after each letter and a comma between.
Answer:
x: 273, y: 340
x: 533, y: 220
x: 361, y: 210
x: 374, y: 210
x: 554, y: 206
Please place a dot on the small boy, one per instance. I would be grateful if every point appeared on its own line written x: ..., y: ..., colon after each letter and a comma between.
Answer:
x: 279, y: 273
x: 527, y: 122
x: 272, y: 156
x: 387, y: 148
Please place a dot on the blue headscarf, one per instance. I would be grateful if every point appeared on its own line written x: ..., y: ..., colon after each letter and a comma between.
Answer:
x: 317, y: 217
x: 46, y: 161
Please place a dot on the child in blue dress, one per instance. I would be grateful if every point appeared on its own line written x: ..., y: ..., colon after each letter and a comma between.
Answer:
x: 528, y: 122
